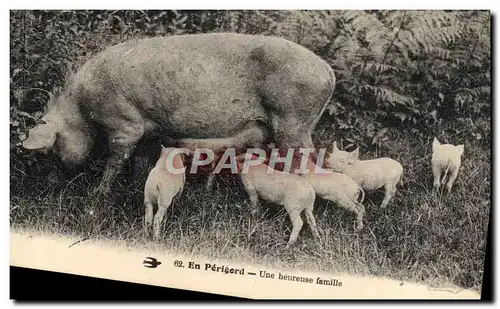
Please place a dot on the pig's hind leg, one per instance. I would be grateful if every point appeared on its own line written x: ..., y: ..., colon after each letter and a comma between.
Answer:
x: 390, y: 191
x: 451, y: 178
x: 164, y: 202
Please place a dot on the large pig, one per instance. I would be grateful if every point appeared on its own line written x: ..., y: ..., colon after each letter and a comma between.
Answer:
x: 217, y: 90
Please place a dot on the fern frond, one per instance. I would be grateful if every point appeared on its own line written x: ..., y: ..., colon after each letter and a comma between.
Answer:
x: 439, y: 52
x: 289, y: 27
x: 477, y: 91
x: 449, y: 34
x: 366, y: 21
x: 351, y: 14
x: 385, y: 95
x: 343, y: 74
x: 349, y: 48
x: 395, y: 18
x: 376, y: 67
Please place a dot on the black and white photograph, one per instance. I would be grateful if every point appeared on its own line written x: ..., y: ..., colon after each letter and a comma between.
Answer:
x: 262, y: 154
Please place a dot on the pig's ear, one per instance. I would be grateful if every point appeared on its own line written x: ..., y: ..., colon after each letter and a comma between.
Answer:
x: 163, y: 148
x: 435, y: 144
x: 355, y: 154
x: 460, y: 149
x: 335, y: 148
x: 41, y: 136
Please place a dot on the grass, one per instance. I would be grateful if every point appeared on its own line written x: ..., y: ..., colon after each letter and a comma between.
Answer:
x: 420, y: 237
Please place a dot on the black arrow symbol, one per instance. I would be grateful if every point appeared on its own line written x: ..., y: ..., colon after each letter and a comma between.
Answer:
x: 151, y: 263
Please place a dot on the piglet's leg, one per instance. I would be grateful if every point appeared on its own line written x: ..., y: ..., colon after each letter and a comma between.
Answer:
x: 353, y: 206
x: 359, y: 217
x: 311, y: 221
x: 210, y: 181
x: 436, y: 172
x: 148, y: 215
x: 254, y: 200
x: 211, y: 176
x: 164, y: 201
x: 297, y: 224
x: 389, y: 190
x: 451, y: 179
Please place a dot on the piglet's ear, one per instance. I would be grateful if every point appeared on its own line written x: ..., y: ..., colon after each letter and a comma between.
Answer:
x: 335, y: 146
x: 460, y: 149
x: 355, y: 154
x: 435, y: 144
x: 163, y: 150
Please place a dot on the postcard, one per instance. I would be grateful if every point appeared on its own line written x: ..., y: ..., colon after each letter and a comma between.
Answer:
x: 291, y: 154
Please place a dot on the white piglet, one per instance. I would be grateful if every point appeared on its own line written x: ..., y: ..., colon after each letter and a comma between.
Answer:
x: 368, y: 174
x: 446, y: 161
x: 161, y: 187
x: 289, y: 190
x: 338, y: 188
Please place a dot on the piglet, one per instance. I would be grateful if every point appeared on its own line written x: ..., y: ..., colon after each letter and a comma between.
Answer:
x: 286, y: 189
x: 162, y: 185
x: 445, y: 161
x: 368, y: 174
x: 338, y: 188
